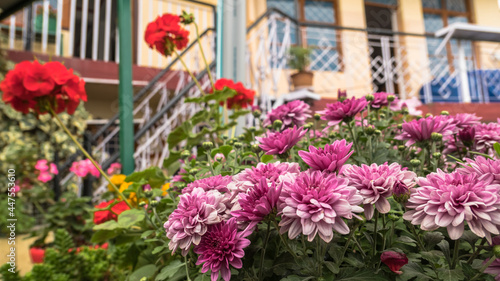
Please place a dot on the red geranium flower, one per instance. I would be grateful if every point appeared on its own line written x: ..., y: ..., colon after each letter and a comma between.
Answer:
x: 104, y: 216
x: 31, y: 85
x: 243, y: 98
x: 165, y: 34
x: 394, y: 260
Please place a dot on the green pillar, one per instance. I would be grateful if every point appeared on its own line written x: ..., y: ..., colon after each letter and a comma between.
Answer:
x: 125, y: 90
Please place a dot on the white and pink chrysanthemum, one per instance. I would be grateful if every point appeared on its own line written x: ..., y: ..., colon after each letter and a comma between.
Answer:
x: 294, y: 113
x: 328, y: 159
x: 375, y: 183
x: 258, y: 202
x: 451, y: 200
x: 212, y: 183
x: 482, y: 166
x: 421, y: 130
x: 189, y: 222
x: 486, y: 136
x: 274, y: 172
x: 222, y: 246
x: 279, y: 143
x: 317, y: 203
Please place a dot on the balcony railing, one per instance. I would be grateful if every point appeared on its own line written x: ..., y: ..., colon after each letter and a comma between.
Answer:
x: 367, y: 60
x: 87, y: 29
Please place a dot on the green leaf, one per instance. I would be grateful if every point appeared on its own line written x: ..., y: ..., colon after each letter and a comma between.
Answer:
x: 333, y: 267
x: 266, y: 158
x: 158, y: 250
x: 145, y: 271
x: 406, y: 240
x: 353, y: 274
x: 169, y: 270
x: 179, y: 134
x: 109, y: 225
x: 412, y: 270
x: 239, y: 113
x: 431, y: 239
x: 445, y: 248
x: 103, y: 235
x: 225, y: 149
x: 496, y: 147
x: 130, y: 217
x: 153, y: 175
x: 450, y: 274
x: 200, y: 116
x: 203, y: 277
x: 173, y: 157
x: 221, y: 95
x: 147, y: 233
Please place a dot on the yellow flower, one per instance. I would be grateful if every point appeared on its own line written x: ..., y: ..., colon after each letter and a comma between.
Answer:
x: 125, y: 185
x: 116, y: 180
x: 164, y: 188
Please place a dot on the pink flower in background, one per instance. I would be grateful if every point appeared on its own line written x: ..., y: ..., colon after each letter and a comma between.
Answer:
x: 221, y: 246
x: 481, y: 166
x: 274, y: 172
x: 421, y: 130
x: 411, y: 105
x: 114, y: 168
x: 486, y: 136
x: 41, y: 165
x: 291, y: 114
x: 380, y: 99
x: 83, y: 167
x: 44, y: 177
x: 219, y: 157
x: 280, y: 142
x: 463, y: 120
x: 394, y: 260
x: 189, y: 222
x: 317, y: 203
x: 258, y: 202
x: 212, y: 183
x: 450, y: 200
x: 493, y: 269
x: 467, y: 135
x: 45, y: 170
x: 328, y: 159
x: 337, y: 112
x: 375, y: 183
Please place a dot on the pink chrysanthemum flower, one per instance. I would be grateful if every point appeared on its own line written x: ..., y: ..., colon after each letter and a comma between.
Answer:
x: 114, y: 168
x: 486, y: 136
x: 274, y: 172
x: 450, y: 200
x: 317, y: 203
x: 222, y: 246
x: 212, y: 183
x: 463, y: 120
x: 380, y: 99
x: 337, y: 112
x: 421, y: 130
x: 189, y: 222
x: 328, y: 159
x: 41, y: 165
x: 482, y: 166
x: 258, y: 202
x: 291, y: 114
x: 493, y: 269
x: 375, y: 183
x: 278, y: 143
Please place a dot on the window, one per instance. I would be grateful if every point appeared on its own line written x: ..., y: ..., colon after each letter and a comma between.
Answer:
x: 438, y: 14
x: 322, y: 39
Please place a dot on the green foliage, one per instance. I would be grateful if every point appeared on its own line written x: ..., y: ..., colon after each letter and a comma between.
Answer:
x: 69, y: 213
x: 299, y: 58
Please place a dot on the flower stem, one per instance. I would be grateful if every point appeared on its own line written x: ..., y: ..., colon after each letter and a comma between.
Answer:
x: 481, y: 270
x: 61, y: 124
x: 283, y: 240
x: 268, y: 232
x: 187, y: 269
x: 190, y: 73
x: 455, y: 254
x: 210, y: 163
x: 353, y: 138
x: 374, y: 250
x: 346, y: 245
x: 203, y: 55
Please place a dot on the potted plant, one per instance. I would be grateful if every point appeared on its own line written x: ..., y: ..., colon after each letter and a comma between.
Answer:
x: 299, y: 59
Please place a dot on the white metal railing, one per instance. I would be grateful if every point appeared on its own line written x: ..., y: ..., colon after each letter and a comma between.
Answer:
x: 87, y: 29
x: 361, y: 62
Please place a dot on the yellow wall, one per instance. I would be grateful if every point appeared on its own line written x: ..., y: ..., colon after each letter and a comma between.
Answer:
x: 487, y: 13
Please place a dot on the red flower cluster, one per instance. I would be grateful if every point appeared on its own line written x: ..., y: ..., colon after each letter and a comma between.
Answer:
x: 30, y: 84
x: 243, y: 98
x: 165, y: 34
x: 104, y: 216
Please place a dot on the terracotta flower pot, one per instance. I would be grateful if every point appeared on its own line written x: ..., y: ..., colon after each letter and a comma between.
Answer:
x: 302, y: 79
x: 37, y: 254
